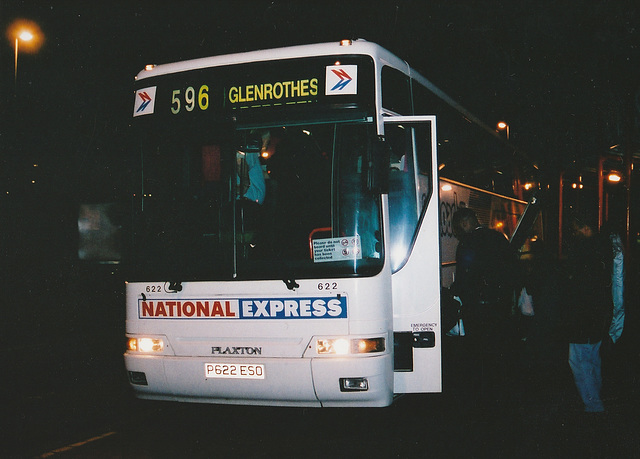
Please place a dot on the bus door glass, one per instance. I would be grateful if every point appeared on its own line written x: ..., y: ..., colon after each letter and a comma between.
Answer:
x: 410, y: 181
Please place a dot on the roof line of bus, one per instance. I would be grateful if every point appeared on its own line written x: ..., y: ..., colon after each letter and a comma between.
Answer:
x: 359, y: 46
x: 469, y: 116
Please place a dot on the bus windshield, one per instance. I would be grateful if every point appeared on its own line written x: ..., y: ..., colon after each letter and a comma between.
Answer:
x: 269, y: 202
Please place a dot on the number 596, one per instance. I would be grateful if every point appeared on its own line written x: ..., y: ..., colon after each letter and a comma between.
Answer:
x: 188, y: 102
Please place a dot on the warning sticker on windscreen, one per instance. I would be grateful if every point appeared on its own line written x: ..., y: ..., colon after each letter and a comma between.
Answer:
x: 337, y: 249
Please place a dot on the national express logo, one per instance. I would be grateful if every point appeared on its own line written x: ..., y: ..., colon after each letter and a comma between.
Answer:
x: 245, y: 308
x: 341, y: 79
x: 145, y: 101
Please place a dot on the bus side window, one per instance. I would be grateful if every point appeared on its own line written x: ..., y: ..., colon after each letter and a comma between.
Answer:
x: 423, y: 140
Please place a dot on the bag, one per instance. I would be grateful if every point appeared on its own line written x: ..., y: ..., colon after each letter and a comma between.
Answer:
x: 525, y: 303
x: 450, y: 313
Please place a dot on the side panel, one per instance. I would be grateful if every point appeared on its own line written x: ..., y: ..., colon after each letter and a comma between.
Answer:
x: 416, y: 299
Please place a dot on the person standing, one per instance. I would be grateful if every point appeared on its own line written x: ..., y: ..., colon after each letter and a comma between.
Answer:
x: 589, y: 305
x: 484, y: 282
x: 484, y: 277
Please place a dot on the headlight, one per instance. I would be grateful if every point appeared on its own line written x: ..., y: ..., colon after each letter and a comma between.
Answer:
x: 332, y: 346
x: 343, y: 346
x: 145, y: 344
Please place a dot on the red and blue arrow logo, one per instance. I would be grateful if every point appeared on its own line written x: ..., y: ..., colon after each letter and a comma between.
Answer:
x: 146, y: 100
x: 344, y: 77
x: 144, y: 105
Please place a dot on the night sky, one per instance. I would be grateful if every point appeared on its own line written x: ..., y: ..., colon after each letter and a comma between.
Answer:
x: 561, y: 73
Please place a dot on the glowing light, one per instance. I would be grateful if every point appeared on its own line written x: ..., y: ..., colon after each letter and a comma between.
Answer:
x: 150, y: 345
x: 447, y: 187
x: 25, y: 36
x: 341, y: 346
x: 332, y: 346
x: 28, y: 33
x: 614, y: 177
x: 502, y: 126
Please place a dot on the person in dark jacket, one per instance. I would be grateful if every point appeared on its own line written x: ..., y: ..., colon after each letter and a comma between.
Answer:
x: 589, y: 305
x: 484, y: 277
x: 484, y: 283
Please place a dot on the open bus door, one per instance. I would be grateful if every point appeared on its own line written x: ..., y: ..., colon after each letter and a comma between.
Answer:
x: 413, y: 249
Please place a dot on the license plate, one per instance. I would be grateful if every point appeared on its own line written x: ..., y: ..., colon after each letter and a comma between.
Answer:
x: 234, y: 370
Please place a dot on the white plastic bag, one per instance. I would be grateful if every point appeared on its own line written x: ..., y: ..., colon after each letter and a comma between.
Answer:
x: 525, y: 303
x: 458, y: 328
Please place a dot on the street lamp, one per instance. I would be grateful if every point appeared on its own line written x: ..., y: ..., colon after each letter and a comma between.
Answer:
x: 25, y: 35
x: 614, y: 177
x: 502, y: 126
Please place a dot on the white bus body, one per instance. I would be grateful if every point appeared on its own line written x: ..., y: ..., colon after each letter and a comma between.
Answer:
x: 332, y: 296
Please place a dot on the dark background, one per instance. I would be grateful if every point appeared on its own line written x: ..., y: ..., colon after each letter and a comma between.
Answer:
x: 564, y: 75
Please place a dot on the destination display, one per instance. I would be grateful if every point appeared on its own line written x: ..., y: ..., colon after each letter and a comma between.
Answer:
x: 299, y: 84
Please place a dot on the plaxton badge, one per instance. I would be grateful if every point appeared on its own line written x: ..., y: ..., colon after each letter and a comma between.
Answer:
x: 236, y: 350
x: 245, y: 308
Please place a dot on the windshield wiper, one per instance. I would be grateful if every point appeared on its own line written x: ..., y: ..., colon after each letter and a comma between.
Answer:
x: 290, y: 283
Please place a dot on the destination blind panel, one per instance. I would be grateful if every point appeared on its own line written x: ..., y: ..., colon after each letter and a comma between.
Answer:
x: 312, y: 85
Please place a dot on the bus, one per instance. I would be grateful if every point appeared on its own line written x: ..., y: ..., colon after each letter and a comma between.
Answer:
x: 285, y: 227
